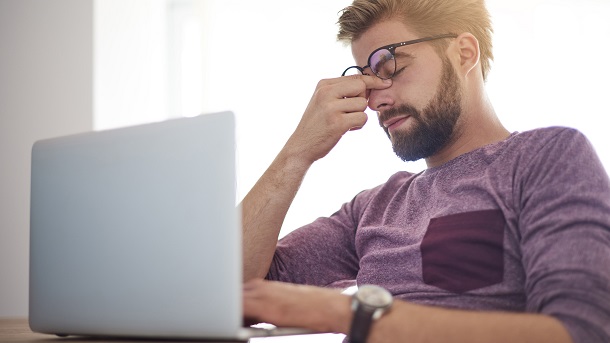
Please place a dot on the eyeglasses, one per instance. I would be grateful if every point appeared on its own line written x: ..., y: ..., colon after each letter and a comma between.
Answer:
x: 382, y: 61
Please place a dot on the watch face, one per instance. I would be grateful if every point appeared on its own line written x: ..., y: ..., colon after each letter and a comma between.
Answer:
x: 374, y: 296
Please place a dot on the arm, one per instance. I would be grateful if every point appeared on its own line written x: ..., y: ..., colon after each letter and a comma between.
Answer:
x: 565, y: 235
x: 434, y: 324
x: 327, y: 310
x: 336, y: 107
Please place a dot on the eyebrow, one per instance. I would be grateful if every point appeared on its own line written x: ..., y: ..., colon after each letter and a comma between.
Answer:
x: 403, y: 55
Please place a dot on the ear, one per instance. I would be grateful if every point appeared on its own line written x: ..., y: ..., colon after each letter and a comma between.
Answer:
x: 468, y: 51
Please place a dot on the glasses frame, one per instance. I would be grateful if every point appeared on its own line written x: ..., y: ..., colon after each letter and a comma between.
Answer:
x: 391, y: 48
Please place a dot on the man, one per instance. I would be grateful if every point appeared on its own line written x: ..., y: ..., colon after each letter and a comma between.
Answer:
x: 505, y: 237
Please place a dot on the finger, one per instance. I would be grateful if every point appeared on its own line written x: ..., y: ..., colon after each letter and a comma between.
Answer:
x: 360, y: 121
x: 352, y: 86
x: 373, y: 82
x: 346, y: 105
x: 354, y: 121
x: 358, y: 127
x: 346, y: 113
x: 361, y: 84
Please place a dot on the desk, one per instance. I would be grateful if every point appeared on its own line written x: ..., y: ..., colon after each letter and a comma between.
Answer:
x: 18, y: 330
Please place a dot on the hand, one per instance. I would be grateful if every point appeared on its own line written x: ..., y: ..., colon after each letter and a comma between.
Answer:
x: 336, y: 107
x: 289, y: 305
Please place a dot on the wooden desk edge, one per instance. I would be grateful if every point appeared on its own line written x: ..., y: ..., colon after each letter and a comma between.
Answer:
x: 18, y: 330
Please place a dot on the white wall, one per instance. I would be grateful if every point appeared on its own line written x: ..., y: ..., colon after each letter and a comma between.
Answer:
x: 131, y: 62
x: 45, y: 90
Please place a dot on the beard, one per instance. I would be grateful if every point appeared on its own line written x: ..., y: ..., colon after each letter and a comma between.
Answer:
x: 434, y: 126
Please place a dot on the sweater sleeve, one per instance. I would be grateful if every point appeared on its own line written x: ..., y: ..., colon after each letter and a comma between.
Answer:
x: 565, y: 235
x: 322, y: 253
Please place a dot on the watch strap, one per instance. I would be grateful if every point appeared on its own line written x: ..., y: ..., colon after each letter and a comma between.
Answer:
x: 361, y: 324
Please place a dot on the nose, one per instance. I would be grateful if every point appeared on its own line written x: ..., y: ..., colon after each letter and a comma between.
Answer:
x: 380, y: 99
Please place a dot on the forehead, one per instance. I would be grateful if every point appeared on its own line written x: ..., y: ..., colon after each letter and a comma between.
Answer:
x: 380, y: 34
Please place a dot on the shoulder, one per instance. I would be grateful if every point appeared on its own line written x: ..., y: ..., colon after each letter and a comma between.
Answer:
x: 554, y: 143
x: 542, y: 136
x: 559, y: 155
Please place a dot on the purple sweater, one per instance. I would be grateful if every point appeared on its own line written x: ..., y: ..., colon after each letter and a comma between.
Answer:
x: 521, y: 225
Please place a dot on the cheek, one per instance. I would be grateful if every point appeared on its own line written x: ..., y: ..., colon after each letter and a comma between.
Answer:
x: 412, y: 92
x: 417, y: 87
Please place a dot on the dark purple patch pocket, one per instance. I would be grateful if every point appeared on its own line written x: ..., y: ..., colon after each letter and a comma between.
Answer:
x: 464, y: 251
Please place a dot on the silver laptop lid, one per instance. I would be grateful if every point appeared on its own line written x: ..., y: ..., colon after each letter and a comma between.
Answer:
x: 135, y: 232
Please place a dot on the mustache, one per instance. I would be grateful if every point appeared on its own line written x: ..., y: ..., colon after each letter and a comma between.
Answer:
x: 401, y: 110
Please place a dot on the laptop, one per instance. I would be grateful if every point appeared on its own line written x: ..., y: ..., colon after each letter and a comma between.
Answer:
x: 135, y: 232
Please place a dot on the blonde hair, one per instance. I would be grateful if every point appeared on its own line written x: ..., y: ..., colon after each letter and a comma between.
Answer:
x: 425, y: 17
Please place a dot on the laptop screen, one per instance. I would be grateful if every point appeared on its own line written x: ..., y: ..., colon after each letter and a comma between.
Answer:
x: 135, y: 231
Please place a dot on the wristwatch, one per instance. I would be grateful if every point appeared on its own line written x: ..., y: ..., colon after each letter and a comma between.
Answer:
x: 369, y: 303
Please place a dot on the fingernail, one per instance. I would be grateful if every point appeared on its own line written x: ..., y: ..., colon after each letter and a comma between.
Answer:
x: 388, y: 81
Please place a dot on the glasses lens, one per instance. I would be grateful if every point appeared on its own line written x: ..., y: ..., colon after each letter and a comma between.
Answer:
x: 383, y: 64
x: 354, y: 70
